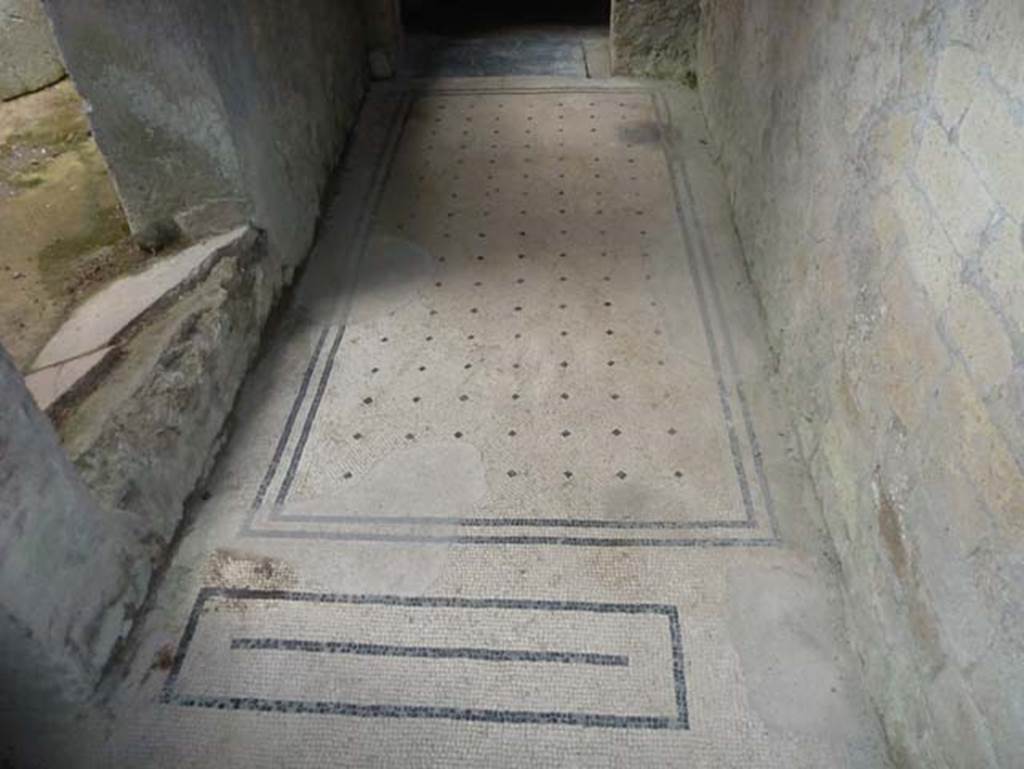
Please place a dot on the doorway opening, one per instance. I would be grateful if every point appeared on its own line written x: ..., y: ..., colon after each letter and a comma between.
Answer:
x: 471, y: 17
x: 466, y: 38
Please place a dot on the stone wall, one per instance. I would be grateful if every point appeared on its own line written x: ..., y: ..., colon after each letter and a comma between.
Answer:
x: 874, y: 152
x: 144, y: 437
x: 654, y: 38
x: 233, y: 107
x: 210, y: 114
x: 29, y: 59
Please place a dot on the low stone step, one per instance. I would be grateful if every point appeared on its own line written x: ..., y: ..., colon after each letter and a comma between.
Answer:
x: 97, y: 321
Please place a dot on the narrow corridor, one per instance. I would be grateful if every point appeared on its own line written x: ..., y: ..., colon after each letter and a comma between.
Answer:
x: 519, y: 493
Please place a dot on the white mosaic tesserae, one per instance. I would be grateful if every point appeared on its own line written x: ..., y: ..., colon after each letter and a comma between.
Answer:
x: 509, y: 486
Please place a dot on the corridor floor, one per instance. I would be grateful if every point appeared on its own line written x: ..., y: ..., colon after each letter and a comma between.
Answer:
x: 509, y: 486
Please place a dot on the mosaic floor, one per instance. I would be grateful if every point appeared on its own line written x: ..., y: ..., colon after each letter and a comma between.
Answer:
x: 509, y: 486
x: 548, y: 54
x: 576, y: 51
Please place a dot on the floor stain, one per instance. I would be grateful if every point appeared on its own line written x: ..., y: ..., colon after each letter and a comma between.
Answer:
x: 228, y: 567
x: 640, y: 132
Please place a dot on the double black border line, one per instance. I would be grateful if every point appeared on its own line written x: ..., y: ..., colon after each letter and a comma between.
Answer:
x: 361, y: 240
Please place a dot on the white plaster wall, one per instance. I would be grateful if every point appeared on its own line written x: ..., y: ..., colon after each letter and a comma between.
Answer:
x: 874, y: 151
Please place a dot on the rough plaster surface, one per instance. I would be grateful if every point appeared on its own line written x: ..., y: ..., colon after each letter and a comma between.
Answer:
x: 29, y: 58
x: 654, y: 38
x: 143, y: 439
x: 64, y: 579
x: 79, y: 539
x: 873, y: 153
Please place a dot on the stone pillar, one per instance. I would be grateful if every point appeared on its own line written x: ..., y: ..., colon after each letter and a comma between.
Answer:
x: 60, y: 575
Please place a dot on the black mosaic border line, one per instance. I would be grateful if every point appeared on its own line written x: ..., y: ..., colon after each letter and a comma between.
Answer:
x: 307, y: 426
x: 478, y: 654
x: 362, y: 227
x: 286, y: 430
x: 709, y: 334
x: 380, y: 179
x: 554, y: 523
x: 427, y: 87
x: 561, y: 541
x: 170, y: 696
x: 330, y: 708
x: 663, y: 116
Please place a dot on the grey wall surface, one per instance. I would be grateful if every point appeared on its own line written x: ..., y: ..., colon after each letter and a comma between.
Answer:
x: 654, y: 38
x: 29, y: 58
x: 60, y: 569
x: 874, y: 151
x: 240, y: 106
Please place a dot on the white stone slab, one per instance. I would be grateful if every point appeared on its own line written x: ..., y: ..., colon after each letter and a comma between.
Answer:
x: 100, y: 318
x: 49, y: 384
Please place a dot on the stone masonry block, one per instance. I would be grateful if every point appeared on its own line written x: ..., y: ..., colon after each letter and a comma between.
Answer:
x: 993, y: 139
x: 954, y: 190
x: 956, y: 80
x: 980, y: 337
x: 1002, y: 269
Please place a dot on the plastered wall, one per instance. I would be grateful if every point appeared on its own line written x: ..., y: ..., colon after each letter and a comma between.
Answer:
x: 874, y: 152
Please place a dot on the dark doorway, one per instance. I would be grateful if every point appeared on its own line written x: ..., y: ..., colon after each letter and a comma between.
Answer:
x: 466, y: 38
x: 473, y: 17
